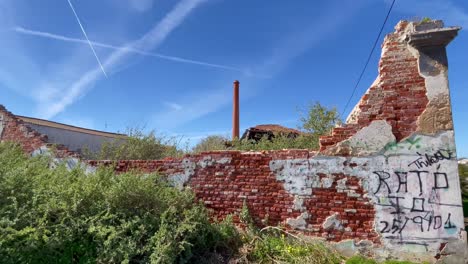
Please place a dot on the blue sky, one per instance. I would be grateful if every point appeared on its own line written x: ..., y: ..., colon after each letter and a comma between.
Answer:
x: 170, y: 64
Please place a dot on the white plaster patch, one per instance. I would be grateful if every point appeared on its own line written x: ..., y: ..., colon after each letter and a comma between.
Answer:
x: 301, y: 175
x: 422, y: 143
x: 332, y: 222
x: 299, y: 222
x: 346, y: 247
x: 341, y: 184
x: 209, y: 161
x: 298, y: 203
x: 188, y: 167
x: 43, y: 150
x: 224, y: 160
x: 69, y: 162
x: 373, y: 138
x: 327, y: 182
x: 179, y: 179
x: 436, y: 86
x: 205, y: 162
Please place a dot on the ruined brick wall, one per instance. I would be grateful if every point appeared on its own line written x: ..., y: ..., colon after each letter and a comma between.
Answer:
x: 32, y: 142
x: 384, y: 184
x: 12, y: 129
x: 334, y: 207
x: 397, y: 96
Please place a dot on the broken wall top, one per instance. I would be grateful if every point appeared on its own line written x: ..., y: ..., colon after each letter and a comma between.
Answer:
x: 410, y: 94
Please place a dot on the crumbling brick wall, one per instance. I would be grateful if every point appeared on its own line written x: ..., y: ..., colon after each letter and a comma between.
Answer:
x: 385, y: 184
x: 397, y: 96
x: 12, y: 129
x: 32, y: 142
x: 225, y: 180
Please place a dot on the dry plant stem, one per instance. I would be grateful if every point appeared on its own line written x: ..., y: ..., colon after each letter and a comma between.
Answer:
x: 282, y: 230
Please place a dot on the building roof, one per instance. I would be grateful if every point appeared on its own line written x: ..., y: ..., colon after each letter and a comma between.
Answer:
x: 258, y: 131
x: 42, y: 122
x: 275, y: 129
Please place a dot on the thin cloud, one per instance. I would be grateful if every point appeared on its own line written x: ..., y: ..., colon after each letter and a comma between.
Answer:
x: 48, y: 35
x: 86, y: 36
x: 284, y: 52
x: 173, y: 106
x: 194, y: 107
x: 150, y: 40
x: 300, y: 41
x: 141, y: 5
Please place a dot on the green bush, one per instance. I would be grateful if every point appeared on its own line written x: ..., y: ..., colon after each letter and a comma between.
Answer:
x: 304, y: 141
x: 210, y: 143
x: 316, y: 120
x: 360, y: 260
x: 138, y: 145
x: 60, y: 216
x: 273, y: 245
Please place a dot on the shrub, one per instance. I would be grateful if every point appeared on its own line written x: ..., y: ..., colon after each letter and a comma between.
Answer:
x: 210, y: 143
x: 60, y: 216
x: 426, y: 20
x: 319, y: 120
x: 138, y: 145
x: 273, y: 245
x: 304, y: 141
x: 360, y: 260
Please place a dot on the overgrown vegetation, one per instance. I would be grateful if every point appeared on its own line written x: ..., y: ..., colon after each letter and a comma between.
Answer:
x: 217, y: 142
x: 304, y: 141
x: 275, y: 245
x: 138, y: 145
x: 426, y: 20
x: 59, y: 216
x: 214, y: 142
x: 317, y: 120
x: 53, y: 215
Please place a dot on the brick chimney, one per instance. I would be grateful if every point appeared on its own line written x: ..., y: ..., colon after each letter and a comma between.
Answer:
x: 235, y: 111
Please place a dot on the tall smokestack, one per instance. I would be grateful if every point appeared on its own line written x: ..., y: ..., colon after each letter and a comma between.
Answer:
x: 235, y: 111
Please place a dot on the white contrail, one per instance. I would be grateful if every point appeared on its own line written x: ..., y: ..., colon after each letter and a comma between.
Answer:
x: 86, y: 36
x: 48, y: 35
x: 150, y: 40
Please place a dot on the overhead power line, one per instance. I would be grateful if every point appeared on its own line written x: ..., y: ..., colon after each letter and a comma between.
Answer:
x: 369, y: 57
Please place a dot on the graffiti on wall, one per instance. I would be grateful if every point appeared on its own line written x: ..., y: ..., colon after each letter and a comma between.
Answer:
x: 416, y: 201
x: 413, y: 185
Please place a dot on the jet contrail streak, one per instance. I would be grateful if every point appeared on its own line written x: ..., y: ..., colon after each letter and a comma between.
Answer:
x: 48, y: 35
x: 86, y: 36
